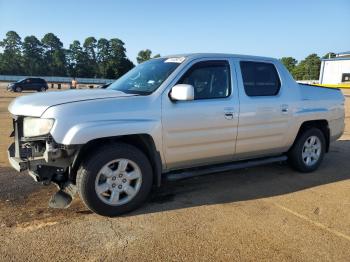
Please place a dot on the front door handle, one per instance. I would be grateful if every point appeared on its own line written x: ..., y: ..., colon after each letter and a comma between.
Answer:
x: 229, y: 115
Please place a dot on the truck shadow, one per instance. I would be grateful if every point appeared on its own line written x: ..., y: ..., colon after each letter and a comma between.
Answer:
x: 19, y: 194
x: 248, y: 184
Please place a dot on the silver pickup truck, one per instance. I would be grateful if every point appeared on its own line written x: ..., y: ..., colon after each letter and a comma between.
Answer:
x: 171, y: 117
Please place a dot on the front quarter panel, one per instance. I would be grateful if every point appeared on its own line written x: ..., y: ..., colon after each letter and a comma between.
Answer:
x: 84, y: 132
x: 81, y: 122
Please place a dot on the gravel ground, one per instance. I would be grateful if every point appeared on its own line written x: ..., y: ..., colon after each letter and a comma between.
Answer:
x: 266, y: 213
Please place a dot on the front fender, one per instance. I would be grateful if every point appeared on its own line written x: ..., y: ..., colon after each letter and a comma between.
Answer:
x: 82, y: 133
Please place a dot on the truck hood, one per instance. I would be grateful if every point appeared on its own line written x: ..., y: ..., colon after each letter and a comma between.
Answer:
x: 35, y: 105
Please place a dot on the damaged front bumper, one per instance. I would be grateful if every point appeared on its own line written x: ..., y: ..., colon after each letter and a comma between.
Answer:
x: 44, y: 159
x: 17, y: 163
x: 37, y: 167
x: 46, y: 162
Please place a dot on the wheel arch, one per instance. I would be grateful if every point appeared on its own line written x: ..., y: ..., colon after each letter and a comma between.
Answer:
x: 321, y: 124
x: 143, y: 142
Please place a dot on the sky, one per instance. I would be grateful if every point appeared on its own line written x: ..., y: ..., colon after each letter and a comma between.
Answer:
x: 273, y: 28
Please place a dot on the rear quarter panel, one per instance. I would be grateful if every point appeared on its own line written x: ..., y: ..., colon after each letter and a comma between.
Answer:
x: 318, y: 103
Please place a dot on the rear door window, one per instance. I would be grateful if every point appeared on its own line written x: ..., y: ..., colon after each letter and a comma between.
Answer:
x: 38, y: 80
x: 260, y: 78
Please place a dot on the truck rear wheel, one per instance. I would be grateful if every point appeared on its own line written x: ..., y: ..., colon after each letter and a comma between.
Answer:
x: 115, y: 180
x: 308, y: 151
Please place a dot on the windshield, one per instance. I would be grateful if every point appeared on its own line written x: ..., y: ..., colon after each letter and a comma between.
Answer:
x: 145, y: 78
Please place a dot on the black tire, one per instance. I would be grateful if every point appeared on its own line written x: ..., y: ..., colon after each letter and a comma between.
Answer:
x: 18, y: 89
x: 295, y: 158
x: 90, y: 168
x: 42, y: 89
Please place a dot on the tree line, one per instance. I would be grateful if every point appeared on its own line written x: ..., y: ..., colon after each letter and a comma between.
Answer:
x: 102, y: 58
x: 306, y: 69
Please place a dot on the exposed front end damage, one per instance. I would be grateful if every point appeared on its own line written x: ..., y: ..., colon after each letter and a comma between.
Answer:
x: 44, y: 159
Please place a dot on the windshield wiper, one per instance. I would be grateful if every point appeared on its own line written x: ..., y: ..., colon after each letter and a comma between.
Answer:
x: 142, y: 93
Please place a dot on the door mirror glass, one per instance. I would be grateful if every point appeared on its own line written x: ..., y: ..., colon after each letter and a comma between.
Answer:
x: 182, y: 92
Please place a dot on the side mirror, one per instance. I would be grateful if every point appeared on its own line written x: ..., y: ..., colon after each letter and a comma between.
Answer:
x: 182, y: 92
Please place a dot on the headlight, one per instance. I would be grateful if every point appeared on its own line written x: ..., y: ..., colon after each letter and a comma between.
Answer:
x: 36, y: 126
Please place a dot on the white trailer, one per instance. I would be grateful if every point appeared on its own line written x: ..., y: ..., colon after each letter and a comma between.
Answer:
x: 335, y: 70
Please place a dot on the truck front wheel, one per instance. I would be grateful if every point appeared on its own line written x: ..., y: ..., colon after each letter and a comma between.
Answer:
x: 308, y: 151
x: 115, y: 180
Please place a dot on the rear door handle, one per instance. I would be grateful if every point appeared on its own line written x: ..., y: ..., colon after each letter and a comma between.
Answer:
x: 284, y: 108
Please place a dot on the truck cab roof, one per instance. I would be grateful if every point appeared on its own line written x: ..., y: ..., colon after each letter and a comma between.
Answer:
x: 221, y: 55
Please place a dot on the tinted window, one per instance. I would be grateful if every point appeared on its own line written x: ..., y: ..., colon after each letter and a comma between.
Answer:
x: 345, y: 77
x: 37, y: 80
x: 260, y: 79
x: 210, y: 79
